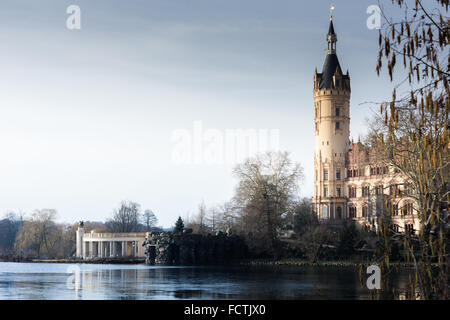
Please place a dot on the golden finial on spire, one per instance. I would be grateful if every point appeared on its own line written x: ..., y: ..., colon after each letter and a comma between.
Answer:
x: 331, y: 12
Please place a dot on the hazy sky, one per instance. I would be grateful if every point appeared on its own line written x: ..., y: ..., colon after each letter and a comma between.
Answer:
x: 87, y: 116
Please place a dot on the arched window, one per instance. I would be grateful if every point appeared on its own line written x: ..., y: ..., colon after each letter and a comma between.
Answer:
x: 365, y: 191
x: 407, y: 209
x: 352, y: 212
x: 365, y: 211
x: 409, y: 228
x: 351, y: 192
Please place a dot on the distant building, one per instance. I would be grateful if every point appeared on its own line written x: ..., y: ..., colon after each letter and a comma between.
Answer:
x: 94, y: 245
x: 350, y: 182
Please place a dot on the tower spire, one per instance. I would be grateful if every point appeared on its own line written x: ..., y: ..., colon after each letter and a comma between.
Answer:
x: 331, y: 36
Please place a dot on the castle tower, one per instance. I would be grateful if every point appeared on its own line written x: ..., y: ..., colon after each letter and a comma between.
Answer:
x: 332, y: 121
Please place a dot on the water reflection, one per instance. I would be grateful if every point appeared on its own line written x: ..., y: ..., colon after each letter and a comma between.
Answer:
x: 89, y: 281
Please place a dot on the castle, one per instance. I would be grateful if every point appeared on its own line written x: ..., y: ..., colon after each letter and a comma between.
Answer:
x: 350, y: 182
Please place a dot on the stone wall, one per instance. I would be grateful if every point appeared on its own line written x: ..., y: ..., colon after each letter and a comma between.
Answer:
x: 167, y: 248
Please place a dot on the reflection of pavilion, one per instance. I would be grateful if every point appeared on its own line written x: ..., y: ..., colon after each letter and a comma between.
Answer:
x: 109, y: 245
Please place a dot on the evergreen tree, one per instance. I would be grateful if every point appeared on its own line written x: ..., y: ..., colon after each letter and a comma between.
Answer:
x: 179, y: 226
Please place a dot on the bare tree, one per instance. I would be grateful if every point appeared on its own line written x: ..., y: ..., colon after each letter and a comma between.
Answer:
x: 40, y: 235
x: 227, y: 218
x: 415, y: 134
x: 150, y: 220
x: 125, y: 218
x: 199, y: 222
x: 268, y: 184
x: 212, y: 219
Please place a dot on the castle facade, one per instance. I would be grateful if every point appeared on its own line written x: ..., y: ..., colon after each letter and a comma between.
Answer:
x: 350, y: 181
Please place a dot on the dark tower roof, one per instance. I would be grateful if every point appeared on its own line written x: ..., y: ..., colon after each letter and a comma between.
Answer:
x: 331, y: 65
x: 331, y: 28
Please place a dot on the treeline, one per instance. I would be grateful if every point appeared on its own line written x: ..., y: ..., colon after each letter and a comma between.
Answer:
x: 262, y: 207
x: 268, y: 212
x: 275, y: 221
x: 9, y: 227
x: 40, y: 236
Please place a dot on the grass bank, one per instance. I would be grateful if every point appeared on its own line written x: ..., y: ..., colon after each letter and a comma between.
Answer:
x: 307, y: 263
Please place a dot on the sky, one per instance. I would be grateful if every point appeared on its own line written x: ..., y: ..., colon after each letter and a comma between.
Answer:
x: 90, y: 117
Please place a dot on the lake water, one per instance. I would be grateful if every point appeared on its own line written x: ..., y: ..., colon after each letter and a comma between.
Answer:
x: 102, y: 281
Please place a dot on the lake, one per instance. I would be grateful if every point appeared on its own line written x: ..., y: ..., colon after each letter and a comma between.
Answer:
x: 48, y: 281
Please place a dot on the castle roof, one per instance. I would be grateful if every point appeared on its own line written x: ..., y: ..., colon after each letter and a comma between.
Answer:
x: 331, y: 65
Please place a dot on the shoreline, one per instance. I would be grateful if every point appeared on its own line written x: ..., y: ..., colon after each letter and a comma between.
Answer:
x: 306, y: 263
x: 254, y: 262
x: 78, y: 261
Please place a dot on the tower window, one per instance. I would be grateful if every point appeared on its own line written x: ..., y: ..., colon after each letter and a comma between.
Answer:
x: 337, y: 112
x: 338, y: 174
x: 338, y: 191
x: 325, y: 192
x: 325, y: 174
x: 337, y: 125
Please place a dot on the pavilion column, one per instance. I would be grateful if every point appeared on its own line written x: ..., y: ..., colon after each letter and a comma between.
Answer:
x: 124, y: 248
x: 100, y: 249
x: 83, y: 249
x: 111, y: 249
x: 91, y: 249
